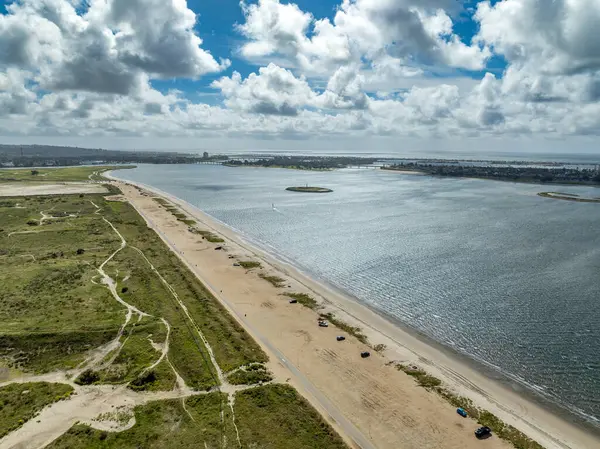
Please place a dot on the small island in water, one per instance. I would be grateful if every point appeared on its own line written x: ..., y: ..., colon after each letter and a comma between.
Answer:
x: 308, y: 189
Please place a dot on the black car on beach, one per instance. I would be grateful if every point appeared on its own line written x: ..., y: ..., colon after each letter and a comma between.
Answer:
x: 483, y: 432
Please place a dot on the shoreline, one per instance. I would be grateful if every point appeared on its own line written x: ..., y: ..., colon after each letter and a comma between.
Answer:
x: 489, y: 389
x: 483, y: 178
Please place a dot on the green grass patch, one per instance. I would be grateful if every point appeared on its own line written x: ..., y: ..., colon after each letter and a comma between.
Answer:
x: 351, y: 330
x: 304, y: 299
x: 62, y: 174
x: 161, y: 201
x: 250, y: 375
x: 136, y: 355
x: 277, y: 417
x: 423, y: 379
x: 47, y: 352
x: 21, y: 402
x: 208, y: 236
x: 160, y: 378
x: 51, y: 313
x: 232, y: 346
x: 249, y: 264
x: 275, y: 281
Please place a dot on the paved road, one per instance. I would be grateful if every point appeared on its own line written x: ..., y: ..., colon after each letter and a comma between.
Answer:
x: 345, y: 425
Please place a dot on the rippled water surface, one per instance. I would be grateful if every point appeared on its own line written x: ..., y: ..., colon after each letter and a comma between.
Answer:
x: 488, y: 268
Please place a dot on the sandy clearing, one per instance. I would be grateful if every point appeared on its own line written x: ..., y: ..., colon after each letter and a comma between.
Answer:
x: 86, y: 405
x: 385, y: 404
x: 20, y: 189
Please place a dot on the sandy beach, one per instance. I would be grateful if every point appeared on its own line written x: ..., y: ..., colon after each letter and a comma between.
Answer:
x: 368, y: 401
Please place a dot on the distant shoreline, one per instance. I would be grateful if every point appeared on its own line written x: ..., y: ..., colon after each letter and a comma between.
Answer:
x: 523, y: 180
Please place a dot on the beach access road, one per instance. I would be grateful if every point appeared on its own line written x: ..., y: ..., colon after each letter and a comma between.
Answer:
x: 368, y: 401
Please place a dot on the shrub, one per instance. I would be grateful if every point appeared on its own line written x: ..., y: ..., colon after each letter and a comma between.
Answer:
x: 88, y: 377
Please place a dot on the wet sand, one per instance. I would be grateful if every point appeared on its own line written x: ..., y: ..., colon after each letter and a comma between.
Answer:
x: 384, y: 404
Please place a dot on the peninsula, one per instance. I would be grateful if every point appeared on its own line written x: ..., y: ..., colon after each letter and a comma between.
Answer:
x: 568, y: 197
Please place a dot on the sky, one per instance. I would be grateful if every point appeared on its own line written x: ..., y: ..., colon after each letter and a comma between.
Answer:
x: 389, y: 76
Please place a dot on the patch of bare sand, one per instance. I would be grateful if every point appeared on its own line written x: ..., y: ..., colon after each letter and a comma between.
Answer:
x: 21, y: 189
x: 104, y: 407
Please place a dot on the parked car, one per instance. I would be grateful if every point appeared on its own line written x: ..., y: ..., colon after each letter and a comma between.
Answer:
x: 293, y: 301
x: 340, y: 338
x: 462, y: 412
x: 323, y: 324
x: 365, y: 354
x: 218, y: 248
x: 483, y: 432
x: 236, y: 265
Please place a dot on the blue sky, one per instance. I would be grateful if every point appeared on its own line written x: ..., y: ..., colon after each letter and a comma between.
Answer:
x: 383, y: 70
x: 216, y: 21
x: 216, y: 27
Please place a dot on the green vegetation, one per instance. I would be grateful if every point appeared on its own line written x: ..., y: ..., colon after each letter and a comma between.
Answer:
x: 308, y: 189
x: 136, y: 354
x: 208, y: 236
x: 313, y: 163
x: 21, y: 402
x: 423, y: 379
x: 175, y: 211
x: 272, y: 416
x: 250, y: 375
x: 277, y: 414
x: 351, y: 330
x: 276, y: 281
x: 42, y: 268
x: 160, y: 378
x: 232, y: 346
x: 505, y: 431
x: 380, y: 347
x: 248, y: 264
x: 568, y: 197
x: 67, y: 174
x: 304, y: 299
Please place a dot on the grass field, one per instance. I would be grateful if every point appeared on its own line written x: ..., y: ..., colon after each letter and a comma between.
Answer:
x: 272, y: 416
x: 62, y: 174
x: 20, y: 402
x: 40, y: 266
